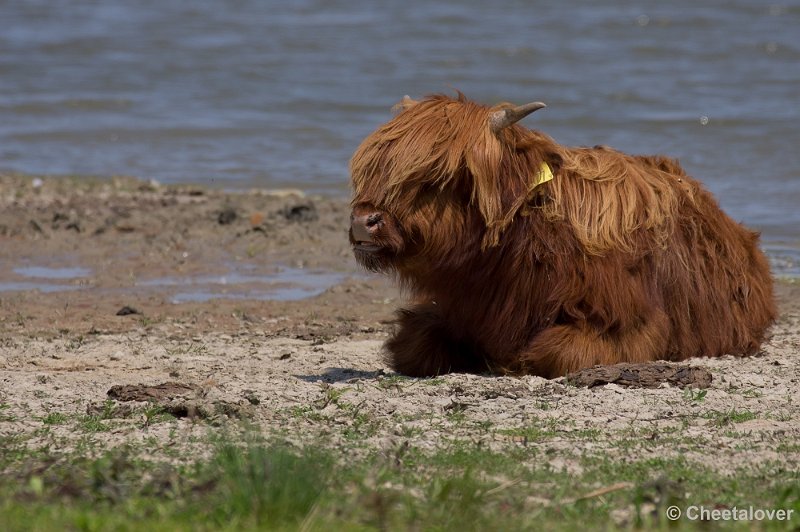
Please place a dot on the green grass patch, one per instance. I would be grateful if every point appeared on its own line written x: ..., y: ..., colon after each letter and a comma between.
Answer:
x: 696, y: 396
x: 540, y: 430
x: 723, y: 418
x: 93, y: 424
x: 5, y: 415
x: 55, y: 418
x: 259, y: 485
x: 154, y: 414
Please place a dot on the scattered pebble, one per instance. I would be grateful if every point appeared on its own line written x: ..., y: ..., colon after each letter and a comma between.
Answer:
x: 304, y: 212
x: 227, y: 216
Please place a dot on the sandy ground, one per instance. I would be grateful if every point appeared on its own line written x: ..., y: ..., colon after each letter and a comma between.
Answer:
x: 201, y: 270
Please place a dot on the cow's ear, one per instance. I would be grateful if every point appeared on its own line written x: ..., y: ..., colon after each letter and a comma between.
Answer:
x: 404, y: 104
x: 484, y: 162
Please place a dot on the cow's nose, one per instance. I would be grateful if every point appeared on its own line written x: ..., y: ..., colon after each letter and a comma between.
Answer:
x: 364, y: 226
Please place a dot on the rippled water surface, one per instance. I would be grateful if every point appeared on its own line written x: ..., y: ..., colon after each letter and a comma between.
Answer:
x: 267, y: 93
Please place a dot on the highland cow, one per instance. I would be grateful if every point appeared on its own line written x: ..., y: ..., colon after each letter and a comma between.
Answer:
x: 526, y: 257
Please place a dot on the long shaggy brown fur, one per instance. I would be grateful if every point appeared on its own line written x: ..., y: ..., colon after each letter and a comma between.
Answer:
x: 617, y: 259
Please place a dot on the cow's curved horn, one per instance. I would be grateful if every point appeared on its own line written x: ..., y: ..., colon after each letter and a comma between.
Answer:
x: 404, y: 104
x: 503, y: 118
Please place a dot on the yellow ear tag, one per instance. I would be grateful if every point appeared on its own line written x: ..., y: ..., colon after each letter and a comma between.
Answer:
x: 544, y: 175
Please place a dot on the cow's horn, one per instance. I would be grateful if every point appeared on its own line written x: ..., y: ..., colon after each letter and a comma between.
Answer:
x: 404, y: 104
x: 503, y: 118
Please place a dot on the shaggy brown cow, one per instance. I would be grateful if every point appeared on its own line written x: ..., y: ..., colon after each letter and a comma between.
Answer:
x: 525, y: 256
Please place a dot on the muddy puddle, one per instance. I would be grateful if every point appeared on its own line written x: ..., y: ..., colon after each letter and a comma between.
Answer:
x: 285, y: 284
x: 279, y: 284
x: 45, y: 279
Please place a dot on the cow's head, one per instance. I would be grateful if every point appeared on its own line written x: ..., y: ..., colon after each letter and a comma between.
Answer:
x: 444, y: 173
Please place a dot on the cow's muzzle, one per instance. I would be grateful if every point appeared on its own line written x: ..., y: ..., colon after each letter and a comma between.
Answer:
x: 364, y: 228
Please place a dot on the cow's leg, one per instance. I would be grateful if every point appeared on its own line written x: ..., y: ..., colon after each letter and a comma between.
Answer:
x: 562, y: 349
x: 424, y: 346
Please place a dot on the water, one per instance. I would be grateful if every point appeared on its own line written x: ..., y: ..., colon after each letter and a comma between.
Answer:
x: 266, y: 93
x: 47, y: 272
x: 47, y: 279
x: 24, y: 286
x: 286, y: 284
x: 283, y: 284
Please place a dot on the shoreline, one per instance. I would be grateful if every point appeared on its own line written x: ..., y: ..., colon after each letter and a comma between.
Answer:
x: 92, y: 247
x: 77, y: 251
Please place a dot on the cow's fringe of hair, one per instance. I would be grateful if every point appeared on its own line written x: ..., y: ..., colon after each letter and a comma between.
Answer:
x: 443, y: 141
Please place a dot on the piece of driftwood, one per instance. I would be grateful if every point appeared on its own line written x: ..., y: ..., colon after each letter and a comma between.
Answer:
x: 157, y: 393
x: 180, y: 400
x: 649, y: 375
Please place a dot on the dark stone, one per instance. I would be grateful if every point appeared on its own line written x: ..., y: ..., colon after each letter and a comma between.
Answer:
x: 302, y: 213
x: 59, y: 217
x: 227, y: 216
